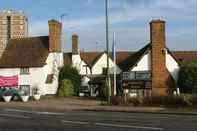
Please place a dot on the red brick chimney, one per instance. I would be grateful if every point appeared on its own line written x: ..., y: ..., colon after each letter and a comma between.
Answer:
x: 160, y: 75
x: 75, y: 44
x: 55, y: 29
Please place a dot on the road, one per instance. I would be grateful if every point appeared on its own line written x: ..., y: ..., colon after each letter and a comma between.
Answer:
x: 26, y: 120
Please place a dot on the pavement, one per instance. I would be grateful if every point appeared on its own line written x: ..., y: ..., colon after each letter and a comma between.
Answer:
x: 76, y: 114
x: 84, y: 104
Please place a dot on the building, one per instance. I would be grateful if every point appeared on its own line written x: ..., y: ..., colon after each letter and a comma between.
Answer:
x: 34, y: 61
x: 153, y: 70
x: 13, y: 24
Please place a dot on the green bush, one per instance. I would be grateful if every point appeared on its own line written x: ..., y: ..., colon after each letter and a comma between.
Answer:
x: 70, y: 73
x: 188, y: 78
x: 66, y: 89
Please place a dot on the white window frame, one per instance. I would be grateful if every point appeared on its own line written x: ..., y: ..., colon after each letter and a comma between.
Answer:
x: 24, y: 71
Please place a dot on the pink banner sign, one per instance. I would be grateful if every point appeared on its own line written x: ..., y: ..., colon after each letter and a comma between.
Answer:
x: 8, y: 81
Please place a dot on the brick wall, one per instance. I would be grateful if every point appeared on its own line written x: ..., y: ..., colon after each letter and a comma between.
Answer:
x: 75, y: 44
x: 54, y: 36
x: 18, y: 26
x: 161, y: 78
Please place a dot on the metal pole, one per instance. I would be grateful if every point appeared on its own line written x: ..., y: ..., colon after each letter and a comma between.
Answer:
x: 62, y: 16
x: 62, y: 31
x: 107, y: 47
x: 114, y: 56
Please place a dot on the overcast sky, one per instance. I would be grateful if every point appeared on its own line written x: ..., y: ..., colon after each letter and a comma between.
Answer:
x: 128, y: 18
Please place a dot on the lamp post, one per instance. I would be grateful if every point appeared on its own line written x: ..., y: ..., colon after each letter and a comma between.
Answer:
x: 62, y: 16
x: 107, y: 47
x: 61, y: 20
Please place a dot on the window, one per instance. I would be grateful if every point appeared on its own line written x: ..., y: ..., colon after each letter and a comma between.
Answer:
x: 136, y: 75
x: 25, y: 89
x: 143, y: 75
x: 128, y: 75
x: 24, y: 71
x: 9, y: 27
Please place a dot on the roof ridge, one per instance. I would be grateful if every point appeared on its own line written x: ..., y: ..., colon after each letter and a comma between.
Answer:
x: 21, y: 38
x: 184, y: 51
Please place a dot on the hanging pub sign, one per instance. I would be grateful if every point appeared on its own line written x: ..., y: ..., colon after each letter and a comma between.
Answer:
x: 8, y: 81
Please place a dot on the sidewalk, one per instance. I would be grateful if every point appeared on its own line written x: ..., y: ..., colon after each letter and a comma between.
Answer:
x: 83, y: 104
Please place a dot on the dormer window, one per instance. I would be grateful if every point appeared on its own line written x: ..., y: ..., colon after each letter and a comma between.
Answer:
x: 24, y: 71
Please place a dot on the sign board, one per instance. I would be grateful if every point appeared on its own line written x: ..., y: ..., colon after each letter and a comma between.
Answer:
x: 136, y: 84
x: 8, y: 81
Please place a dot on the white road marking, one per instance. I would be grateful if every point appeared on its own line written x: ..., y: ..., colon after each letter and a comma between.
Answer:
x: 128, y: 126
x: 112, y: 125
x: 33, y: 112
x: 49, y: 113
x: 76, y: 122
x: 17, y: 110
x: 15, y: 116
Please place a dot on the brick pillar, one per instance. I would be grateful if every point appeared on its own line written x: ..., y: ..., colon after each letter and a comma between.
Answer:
x: 75, y: 44
x: 55, y: 30
x: 160, y: 75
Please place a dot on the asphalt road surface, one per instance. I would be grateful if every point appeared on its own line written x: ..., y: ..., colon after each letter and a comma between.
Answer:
x: 25, y: 120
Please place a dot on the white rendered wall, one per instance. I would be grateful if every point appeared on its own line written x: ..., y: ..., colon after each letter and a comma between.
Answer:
x: 144, y: 64
x: 53, y: 63
x: 80, y: 65
x: 97, y: 68
x: 34, y: 78
x: 172, y: 66
x: 85, y: 80
x: 37, y: 76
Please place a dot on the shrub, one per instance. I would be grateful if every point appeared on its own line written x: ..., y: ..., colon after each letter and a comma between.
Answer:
x: 116, y: 100
x: 188, y: 78
x: 119, y: 100
x: 66, y: 89
x: 134, y: 101
x: 103, y: 92
x: 70, y: 73
x: 168, y: 101
x: 193, y: 100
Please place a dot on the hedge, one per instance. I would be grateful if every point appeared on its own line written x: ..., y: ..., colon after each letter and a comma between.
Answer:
x: 72, y: 74
x: 66, y: 89
x: 188, y: 78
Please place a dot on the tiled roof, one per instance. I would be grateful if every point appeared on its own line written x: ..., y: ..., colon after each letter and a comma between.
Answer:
x: 133, y: 58
x: 126, y: 59
x: 185, y: 57
x: 90, y: 57
x: 25, y: 52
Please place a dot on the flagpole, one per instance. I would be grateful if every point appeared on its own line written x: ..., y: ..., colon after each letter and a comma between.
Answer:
x: 114, y: 56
